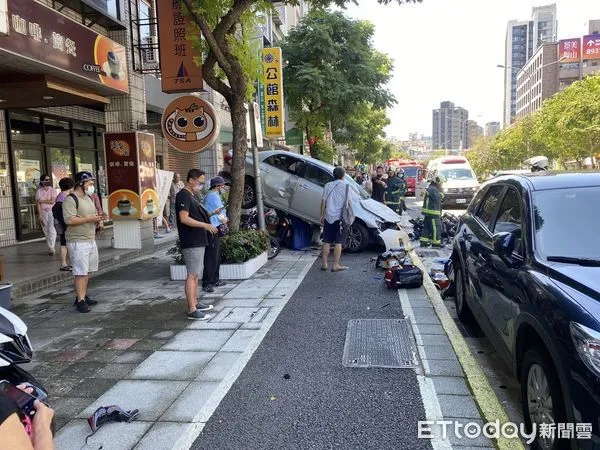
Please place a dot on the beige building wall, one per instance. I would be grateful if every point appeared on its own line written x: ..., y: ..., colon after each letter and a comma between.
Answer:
x: 538, y: 80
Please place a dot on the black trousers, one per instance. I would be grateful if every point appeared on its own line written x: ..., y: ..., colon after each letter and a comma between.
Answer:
x: 212, y: 261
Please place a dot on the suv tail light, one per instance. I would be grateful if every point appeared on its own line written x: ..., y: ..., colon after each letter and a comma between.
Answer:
x: 587, y: 343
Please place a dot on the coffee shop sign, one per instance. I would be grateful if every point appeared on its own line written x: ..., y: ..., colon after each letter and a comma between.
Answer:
x: 34, y: 30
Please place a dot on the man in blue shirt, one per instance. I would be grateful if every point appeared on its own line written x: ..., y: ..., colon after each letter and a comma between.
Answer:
x: 213, y: 203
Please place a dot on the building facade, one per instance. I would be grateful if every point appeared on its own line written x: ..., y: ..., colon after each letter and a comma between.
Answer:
x: 492, y: 129
x: 474, y: 132
x: 537, y: 80
x: 522, y: 39
x: 449, y: 127
x: 73, y: 70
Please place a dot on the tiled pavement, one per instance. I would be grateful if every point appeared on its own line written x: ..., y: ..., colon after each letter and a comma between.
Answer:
x: 136, y: 349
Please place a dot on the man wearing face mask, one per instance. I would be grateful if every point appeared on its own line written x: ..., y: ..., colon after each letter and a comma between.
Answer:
x: 213, y: 203
x: 82, y: 218
x: 194, y: 227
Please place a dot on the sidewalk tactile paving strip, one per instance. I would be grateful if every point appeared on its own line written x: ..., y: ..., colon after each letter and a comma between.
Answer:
x: 380, y: 343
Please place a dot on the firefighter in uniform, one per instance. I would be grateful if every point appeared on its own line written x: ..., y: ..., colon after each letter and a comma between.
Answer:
x: 403, y: 189
x: 393, y: 192
x: 432, y: 210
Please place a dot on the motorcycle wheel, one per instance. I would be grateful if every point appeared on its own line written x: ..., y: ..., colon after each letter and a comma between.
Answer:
x: 274, y: 248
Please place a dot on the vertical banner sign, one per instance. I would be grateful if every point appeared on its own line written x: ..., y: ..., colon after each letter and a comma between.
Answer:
x: 570, y: 50
x: 130, y: 170
x: 257, y: 127
x: 591, y: 47
x: 261, y: 102
x: 273, y: 86
x: 179, y: 72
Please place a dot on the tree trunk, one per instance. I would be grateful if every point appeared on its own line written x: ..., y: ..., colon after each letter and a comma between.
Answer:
x: 238, y: 164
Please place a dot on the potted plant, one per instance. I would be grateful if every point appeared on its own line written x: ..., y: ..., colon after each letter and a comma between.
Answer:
x: 178, y: 270
x: 242, y: 254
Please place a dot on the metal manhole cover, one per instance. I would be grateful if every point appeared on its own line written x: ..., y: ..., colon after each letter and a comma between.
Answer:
x: 380, y: 343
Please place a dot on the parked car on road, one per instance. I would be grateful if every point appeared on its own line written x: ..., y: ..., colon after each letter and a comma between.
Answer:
x: 294, y: 184
x: 526, y: 262
x: 461, y: 183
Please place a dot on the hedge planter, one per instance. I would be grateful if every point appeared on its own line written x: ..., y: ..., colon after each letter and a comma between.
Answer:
x: 241, y: 271
x: 244, y: 270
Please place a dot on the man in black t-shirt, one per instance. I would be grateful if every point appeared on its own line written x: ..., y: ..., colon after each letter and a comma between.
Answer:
x: 195, y: 230
x: 379, y: 186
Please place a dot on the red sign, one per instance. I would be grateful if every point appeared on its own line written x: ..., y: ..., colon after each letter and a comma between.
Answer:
x: 179, y: 72
x: 43, y: 35
x: 570, y: 50
x: 131, y: 173
x: 591, y: 47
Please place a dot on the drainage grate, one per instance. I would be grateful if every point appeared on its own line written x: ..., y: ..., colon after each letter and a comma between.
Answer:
x: 380, y: 343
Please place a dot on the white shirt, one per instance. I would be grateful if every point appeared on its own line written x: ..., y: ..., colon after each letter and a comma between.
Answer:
x: 334, y: 194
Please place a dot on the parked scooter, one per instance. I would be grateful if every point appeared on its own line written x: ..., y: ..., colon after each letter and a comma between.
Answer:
x: 278, y: 226
x: 15, y: 349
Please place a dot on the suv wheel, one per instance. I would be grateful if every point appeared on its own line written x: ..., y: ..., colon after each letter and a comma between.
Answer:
x: 542, y: 397
x: 460, y: 296
x: 357, y: 239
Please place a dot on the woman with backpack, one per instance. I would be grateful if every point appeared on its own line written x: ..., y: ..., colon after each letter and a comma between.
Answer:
x: 66, y: 187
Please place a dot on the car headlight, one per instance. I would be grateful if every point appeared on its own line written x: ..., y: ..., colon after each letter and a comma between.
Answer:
x: 587, y: 343
x: 380, y: 225
x: 446, y: 189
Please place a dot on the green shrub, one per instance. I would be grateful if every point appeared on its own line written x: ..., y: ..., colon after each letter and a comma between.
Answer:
x: 176, y: 254
x: 241, y: 246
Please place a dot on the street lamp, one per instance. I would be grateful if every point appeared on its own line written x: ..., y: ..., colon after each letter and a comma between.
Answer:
x: 501, y: 66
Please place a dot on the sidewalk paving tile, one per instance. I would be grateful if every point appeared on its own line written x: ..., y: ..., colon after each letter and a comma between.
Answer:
x: 432, y: 339
x: 163, y: 435
x: 190, y: 402
x: 151, y: 397
x: 450, y: 385
x: 169, y: 365
x: 239, y: 341
x: 431, y: 329
x: 69, y: 407
x: 91, y: 388
x: 218, y: 367
x: 101, y: 356
x: 242, y: 292
x: 115, y: 371
x: 247, y: 302
x: 199, y: 340
x: 439, y: 352
x: 132, y: 357
x: 73, y: 435
x: 461, y: 406
x: 444, y: 367
x: 82, y: 369
x: 200, y: 325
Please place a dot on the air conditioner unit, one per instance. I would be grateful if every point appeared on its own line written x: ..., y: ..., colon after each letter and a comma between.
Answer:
x: 150, y: 50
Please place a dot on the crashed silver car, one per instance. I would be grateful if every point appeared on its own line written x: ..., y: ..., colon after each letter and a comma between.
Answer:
x: 294, y: 184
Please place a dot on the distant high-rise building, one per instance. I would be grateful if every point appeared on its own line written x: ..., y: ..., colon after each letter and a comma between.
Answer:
x: 474, y: 132
x: 492, y: 129
x: 523, y: 38
x: 450, y: 127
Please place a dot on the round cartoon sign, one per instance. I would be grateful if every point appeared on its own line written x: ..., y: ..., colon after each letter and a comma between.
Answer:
x: 190, y: 124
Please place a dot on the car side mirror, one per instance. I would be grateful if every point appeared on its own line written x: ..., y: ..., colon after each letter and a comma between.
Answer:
x: 504, y: 244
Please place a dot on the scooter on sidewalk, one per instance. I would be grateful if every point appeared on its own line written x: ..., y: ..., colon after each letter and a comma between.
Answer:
x: 15, y: 349
x: 278, y: 227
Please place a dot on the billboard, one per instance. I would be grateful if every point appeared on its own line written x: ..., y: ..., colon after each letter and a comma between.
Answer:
x: 570, y: 50
x: 591, y: 47
x: 41, y: 34
x: 179, y: 72
x: 131, y: 172
x: 273, y: 88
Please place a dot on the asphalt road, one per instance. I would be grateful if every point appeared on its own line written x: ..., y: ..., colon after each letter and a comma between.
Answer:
x: 295, y: 393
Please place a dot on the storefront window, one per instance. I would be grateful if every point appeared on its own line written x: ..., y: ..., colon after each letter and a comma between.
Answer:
x: 85, y: 160
x: 29, y: 165
x: 57, y: 133
x: 83, y: 136
x: 60, y: 161
x: 25, y: 128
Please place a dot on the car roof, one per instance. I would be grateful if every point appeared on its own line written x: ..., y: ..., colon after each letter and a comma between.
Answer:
x: 542, y: 181
x: 316, y: 162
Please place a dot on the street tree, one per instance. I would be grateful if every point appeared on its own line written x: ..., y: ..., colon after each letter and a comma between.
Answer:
x: 230, y: 66
x: 333, y: 75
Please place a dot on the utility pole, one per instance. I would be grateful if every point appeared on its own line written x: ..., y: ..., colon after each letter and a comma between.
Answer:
x: 257, y: 178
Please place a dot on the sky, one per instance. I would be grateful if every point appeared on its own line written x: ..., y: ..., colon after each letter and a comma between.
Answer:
x: 449, y: 50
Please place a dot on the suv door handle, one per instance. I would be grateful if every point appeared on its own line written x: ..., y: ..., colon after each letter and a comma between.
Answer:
x: 303, y: 186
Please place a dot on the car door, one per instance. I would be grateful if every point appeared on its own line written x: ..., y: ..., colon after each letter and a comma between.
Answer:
x: 508, y: 275
x: 306, y: 202
x: 280, y: 176
x: 423, y: 178
x: 478, y: 244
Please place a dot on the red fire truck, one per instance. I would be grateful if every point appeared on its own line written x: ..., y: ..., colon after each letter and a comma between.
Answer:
x: 411, y: 172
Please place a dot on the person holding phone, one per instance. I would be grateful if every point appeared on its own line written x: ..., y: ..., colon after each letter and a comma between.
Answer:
x: 13, y: 435
x: 83, y: 221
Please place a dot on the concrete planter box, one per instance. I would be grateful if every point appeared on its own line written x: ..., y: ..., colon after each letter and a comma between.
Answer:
x: 241, y: 271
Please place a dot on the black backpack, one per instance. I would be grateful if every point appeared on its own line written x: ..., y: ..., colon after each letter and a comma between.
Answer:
x: 59, y: 218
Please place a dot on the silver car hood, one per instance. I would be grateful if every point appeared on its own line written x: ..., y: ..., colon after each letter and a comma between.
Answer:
x: 380, y: 210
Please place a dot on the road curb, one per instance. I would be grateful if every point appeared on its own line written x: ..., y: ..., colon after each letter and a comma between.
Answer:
x: 490, y: 407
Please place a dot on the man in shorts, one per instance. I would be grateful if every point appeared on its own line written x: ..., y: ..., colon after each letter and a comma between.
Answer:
x: 82, y: 220
x: 332, y: 202
x: 194, y: 227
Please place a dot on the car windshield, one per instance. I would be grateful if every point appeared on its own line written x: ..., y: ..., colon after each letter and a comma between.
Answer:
x: 357, y: 188
x: 562, y: 222
x: 458, y: 174
x: 410, y: 171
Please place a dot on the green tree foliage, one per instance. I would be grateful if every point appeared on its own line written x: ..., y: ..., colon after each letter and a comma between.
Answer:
x: 565, y: 129
x: 334, y: 75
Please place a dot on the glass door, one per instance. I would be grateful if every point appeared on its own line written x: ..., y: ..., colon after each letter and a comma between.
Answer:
x: 29, y: 164
x: 60, y: 161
